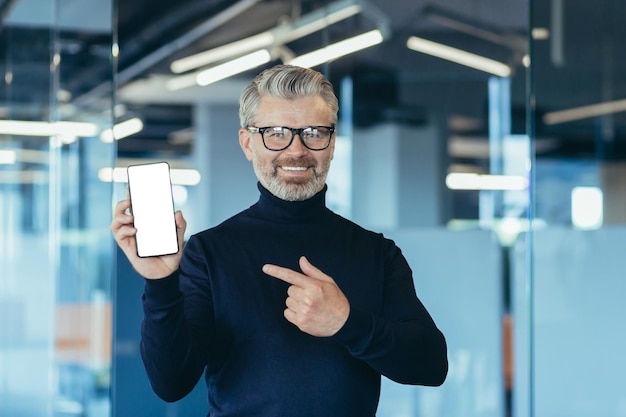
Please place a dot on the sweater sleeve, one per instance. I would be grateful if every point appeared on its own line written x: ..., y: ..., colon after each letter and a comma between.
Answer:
x: 173, y: 346
x: 402, y: 343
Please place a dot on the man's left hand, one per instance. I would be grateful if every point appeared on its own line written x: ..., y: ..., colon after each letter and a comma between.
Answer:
x: 315, y: 304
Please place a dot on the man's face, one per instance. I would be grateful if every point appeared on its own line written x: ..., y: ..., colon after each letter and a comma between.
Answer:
x: 295, y: 173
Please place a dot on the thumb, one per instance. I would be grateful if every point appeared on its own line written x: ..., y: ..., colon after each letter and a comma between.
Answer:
x: 181, y: 226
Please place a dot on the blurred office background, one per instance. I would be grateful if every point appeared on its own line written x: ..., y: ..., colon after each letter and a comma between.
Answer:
x: 503, y: 181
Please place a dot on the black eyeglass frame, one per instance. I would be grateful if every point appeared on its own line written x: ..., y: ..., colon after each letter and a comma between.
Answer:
x: 294, y: 131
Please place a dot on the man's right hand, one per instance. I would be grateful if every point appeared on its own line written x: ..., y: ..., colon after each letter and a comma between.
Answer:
x: 123, y: 230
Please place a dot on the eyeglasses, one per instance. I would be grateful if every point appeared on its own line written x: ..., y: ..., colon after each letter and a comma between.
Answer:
x: 277, y: 138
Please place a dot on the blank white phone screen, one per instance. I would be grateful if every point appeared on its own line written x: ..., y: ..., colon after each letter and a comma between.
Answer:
x: 152, y: 206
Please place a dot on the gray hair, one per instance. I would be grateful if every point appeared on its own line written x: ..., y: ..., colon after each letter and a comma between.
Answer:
x: 288, y: 82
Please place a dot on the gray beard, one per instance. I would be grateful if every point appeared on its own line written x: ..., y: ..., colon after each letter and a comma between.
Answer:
x: 293, y: 191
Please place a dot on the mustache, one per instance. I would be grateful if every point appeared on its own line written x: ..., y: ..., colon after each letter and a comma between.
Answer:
x: 304, y: 161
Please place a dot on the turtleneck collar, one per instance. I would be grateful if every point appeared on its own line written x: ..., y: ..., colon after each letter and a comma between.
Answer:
x: 273, y: 208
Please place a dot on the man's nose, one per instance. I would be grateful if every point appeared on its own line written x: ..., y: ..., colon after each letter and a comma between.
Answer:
x: 297, y: 144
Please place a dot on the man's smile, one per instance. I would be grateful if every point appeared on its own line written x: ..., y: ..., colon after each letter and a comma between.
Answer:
x: 294, y: 168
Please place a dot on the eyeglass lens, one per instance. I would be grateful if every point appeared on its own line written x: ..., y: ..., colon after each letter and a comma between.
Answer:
x: 279, y: 137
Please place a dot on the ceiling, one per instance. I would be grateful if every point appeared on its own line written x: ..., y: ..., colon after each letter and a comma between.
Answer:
x: 577, y: 65
x: 383, y: 68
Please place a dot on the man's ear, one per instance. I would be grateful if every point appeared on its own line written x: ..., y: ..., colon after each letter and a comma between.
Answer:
x: 244, y: 142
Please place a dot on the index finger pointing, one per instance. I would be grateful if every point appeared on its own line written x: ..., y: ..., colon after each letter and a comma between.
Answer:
x: 285, y: 274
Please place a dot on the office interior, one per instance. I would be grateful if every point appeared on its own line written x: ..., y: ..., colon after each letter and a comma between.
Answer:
x: 486, y: 137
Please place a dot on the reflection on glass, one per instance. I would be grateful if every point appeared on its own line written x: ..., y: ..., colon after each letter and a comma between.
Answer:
x: 55, y: 260
x: 569, y: 316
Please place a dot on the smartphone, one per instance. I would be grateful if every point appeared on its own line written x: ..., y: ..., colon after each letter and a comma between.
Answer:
x: 152, y: 207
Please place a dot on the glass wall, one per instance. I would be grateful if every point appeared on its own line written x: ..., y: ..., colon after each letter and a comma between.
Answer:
x: 570, y: 358
x: 504, y: 186
x: 55, y: 250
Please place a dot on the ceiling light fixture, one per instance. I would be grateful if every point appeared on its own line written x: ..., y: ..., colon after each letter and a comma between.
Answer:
x: 179, y: 176
x: 7, y: 157
x: 584, y: 112
x: 458, y: 56
x: 236, y: 66
x: 34, y: 128
x: 338, y: 49
x: 29, y: 176
x: 279, y: 35
x: 587, y: 208
x: 220, y: 72
x: 122, y: 130
x: 262, y: 40
x: 472, y: 181
x: 540, y: 34
x: 181, y: 82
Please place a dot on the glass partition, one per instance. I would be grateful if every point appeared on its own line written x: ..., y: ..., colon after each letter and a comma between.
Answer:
x: 55, y: 250
x: 570, y: 347
x: 505, y: 189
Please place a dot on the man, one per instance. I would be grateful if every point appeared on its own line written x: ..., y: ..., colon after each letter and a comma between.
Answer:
x: 288, y: 309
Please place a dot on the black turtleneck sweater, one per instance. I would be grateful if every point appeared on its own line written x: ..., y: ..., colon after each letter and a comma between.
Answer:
x: 219, y: 313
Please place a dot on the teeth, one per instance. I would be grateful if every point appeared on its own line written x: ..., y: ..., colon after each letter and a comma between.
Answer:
x: 294, y: 168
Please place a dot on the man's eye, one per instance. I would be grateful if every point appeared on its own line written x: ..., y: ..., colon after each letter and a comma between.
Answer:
x: 276, y: 134
x: 311, y: 134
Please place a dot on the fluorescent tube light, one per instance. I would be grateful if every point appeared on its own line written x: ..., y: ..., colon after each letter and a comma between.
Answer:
x: 122, y: 130
x: 279, y: 35
x: 24, y: 177
x: 58, y: 141
x: 587, y: 208
x: 471, y: 181
x: 179, y: 176
x: 7, y: 157
x: 116, y: 174
x: 584, y: 112
x: 30, y: 156
x: 458, y: 56
x: 540, y: 34
x: 262, y: 40
x: 28, y: 128
x: 233, y: 67
x: 339, y: 49
x: 185, y: 176
x: 220, y: 72
x: 181, y: 82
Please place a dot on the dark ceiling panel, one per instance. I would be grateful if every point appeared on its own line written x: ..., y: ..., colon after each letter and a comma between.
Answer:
x: 590, y: 70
